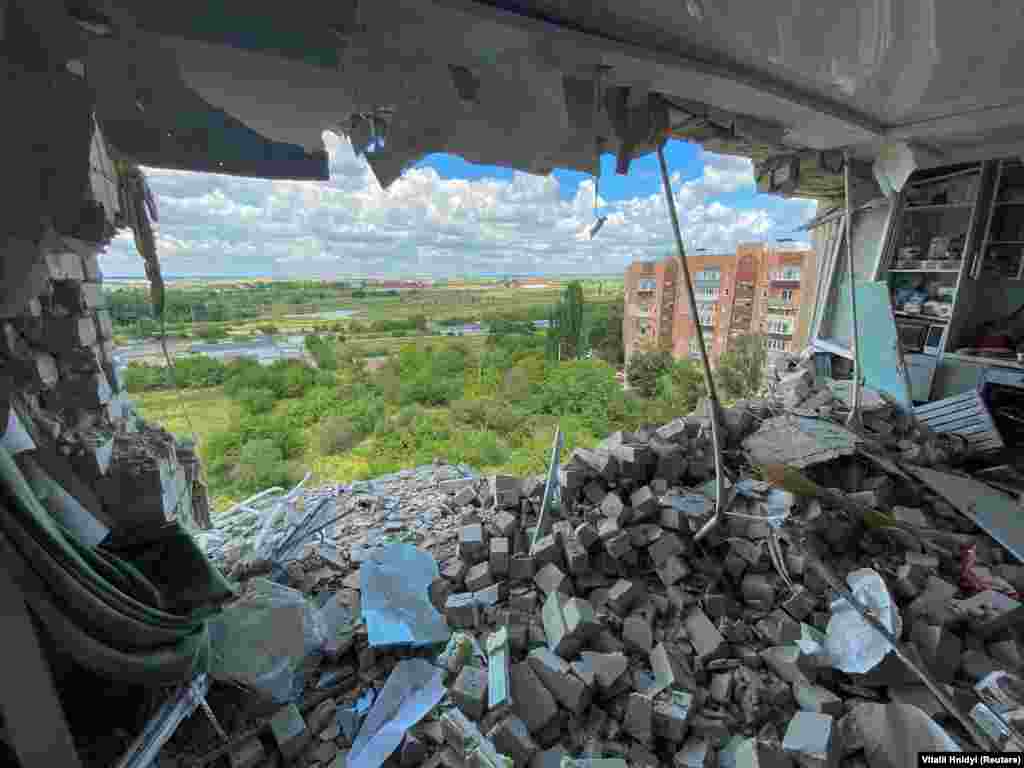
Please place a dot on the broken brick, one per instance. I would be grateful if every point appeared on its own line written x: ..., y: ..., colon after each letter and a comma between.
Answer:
x: 479, y: 577
x: 531, y: 700
x: 550, y: 578
x: 499, y: 556
x: 469, y: 692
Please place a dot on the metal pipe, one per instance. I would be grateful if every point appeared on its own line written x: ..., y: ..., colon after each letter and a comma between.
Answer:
x: 979, y: 736
x: 709, y: 381
x: 853, y: 421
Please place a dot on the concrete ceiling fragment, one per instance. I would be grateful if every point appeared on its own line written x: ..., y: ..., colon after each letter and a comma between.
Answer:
x: 511, y: 82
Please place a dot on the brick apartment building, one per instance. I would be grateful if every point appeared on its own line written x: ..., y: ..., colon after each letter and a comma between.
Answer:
x: 754, y: 290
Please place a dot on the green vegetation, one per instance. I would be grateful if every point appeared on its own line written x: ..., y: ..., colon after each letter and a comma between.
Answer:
x: 492, y: 401
x: 741, y: 368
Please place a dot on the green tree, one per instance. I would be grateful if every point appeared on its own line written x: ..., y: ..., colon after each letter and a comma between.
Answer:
x: 605, y: 336
x: 741, y: 368
x: 682, y: 386
x: 570, y: 324
x: 645, y: 368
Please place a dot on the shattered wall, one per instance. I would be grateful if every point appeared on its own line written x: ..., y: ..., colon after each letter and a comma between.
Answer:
x: 60, y: 382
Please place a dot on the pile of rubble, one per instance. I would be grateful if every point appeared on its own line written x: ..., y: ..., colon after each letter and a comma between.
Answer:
x: 602, y: 634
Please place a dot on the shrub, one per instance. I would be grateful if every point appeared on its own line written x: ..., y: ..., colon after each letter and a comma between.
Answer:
x: 682, y: 386
x: 741, y: 368
x: 584, y: 388
x: 260, y: 465
x: 337, y: 435
x: 210, y: 332
x: 254, y: 400
x: 644, y: 370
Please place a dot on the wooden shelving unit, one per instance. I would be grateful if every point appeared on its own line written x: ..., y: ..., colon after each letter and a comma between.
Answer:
x: 1002, y: 249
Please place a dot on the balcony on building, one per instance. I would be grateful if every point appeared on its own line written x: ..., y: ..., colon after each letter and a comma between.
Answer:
x: 779, y: 305
x: 786, y: 277
x: 646, y: 286
x: 640, y: 310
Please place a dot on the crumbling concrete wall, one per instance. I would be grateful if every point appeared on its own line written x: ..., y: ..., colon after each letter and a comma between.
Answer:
x: 57, y: 367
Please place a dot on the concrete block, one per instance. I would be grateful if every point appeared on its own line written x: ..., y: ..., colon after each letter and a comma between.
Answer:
x: 465, y: 496
x: 612, y: 506
x: 720, y: 687
x: 643, y: 535
x: 814, y: 698
x: 523, y: 600
x: 809, y: 739
x: 532, y: 486
x: 455, y: 570
x: 637, y: 634
x: 696, y: 753
x: 580, y: 621
x: 506, y: 491
x: 672, y: 711
x: 557, y: 676
x: 479, y: 577
x: 575, y: 554
x: 787, y: 662
x: 63, y: 333
x: 664, y: 547
x: 608, y: 528
x: 545, y: 551
x: 639, y: 720
x: 511, y: 737
x: 438, y: 592
x: 799, y: 603
x: 644, y: 504
x: 751, y: 753
x: 531, y: 699
x: 289, y: 731
x: 506, y: 523
x: 758, y: 591
x: 472, y: 544
x: 623, y: 595
x: 619, y: 545
x: 707, y: 641
x: 675, y: 431
x: 490, y: 596
x: 63, y: 264
x: 671, y: 669
x: 779, y: 628
x: 594, y: 492
x: 550, y: 578
x: 554, y: 623
x: 469, y: 692
x: 673, y: 570
x: 587, y: 535
x: 521, y: 568
x: 549, y: 758
x: 499, y: 556
x: 249, y: 754
x: 462, y: 610
x: 603, y: 668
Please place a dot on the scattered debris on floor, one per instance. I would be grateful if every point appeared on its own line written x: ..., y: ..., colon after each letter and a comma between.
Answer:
x: 610, y: 637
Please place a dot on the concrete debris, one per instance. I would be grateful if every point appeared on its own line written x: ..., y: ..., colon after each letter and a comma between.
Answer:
x: 615, y: 639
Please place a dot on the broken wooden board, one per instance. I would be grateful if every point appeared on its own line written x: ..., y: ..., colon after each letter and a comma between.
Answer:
x: 965, y: 415
x: 999, y: 516
x: 799, y: 442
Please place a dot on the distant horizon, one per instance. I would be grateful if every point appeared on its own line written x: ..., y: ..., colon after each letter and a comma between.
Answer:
x: 258, y: 276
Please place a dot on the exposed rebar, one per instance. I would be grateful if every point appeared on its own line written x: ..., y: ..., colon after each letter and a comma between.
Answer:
x: 709, y: 382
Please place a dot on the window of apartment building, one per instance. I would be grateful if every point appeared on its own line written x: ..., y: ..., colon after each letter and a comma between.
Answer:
x: 707, y: 316
x: 764, y: 294
x: 647, y: 284
x: 775, y: 344
x: 708, y: 292
x: 778, y: 325
x: 787, y: 295
x: 786, y: 273
x: 709, y: 275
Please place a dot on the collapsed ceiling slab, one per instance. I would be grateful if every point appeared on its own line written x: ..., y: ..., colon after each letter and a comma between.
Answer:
x: 544, y: 84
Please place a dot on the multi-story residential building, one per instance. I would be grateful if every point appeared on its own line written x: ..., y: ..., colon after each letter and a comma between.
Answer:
x: 754, y: 290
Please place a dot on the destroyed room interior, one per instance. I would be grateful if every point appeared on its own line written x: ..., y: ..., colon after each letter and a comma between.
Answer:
x: 827, y: 575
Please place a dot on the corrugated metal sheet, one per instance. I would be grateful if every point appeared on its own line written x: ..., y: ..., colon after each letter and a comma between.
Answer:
x: 965, y: 415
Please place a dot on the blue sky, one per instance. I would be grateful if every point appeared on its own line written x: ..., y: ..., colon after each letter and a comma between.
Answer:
x: 446, y: 217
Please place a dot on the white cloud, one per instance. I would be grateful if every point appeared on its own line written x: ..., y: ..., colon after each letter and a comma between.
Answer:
x: 212, y: 224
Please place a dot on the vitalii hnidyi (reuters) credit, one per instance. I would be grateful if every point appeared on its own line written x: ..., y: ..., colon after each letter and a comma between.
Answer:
x: 968, y: 759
